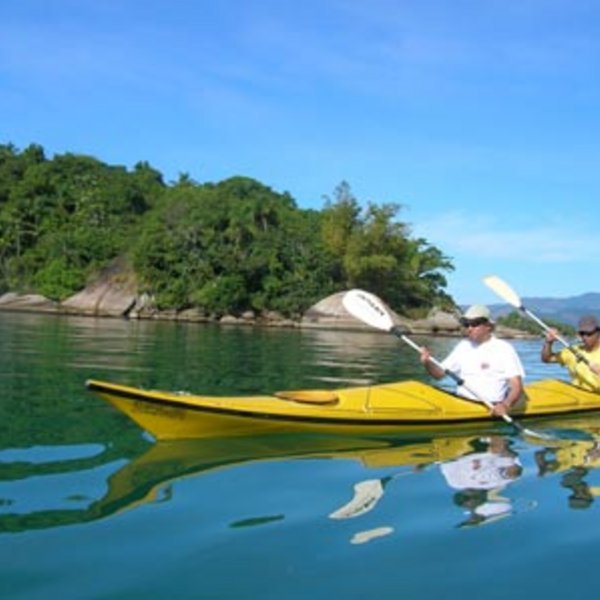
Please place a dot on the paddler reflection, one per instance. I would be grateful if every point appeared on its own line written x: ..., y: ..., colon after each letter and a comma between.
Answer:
x: 477, y: 468
x: 480, y: 477
x: 575, y: 462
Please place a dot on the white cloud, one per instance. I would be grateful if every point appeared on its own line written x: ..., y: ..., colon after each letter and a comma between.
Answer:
x: 483, y: 237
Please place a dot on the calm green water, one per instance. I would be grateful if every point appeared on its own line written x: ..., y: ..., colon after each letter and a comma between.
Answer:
x: 90, y: 507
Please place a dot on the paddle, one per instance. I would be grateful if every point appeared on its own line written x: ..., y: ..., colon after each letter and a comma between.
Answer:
x: 502, y: 289
x: 370, y: 309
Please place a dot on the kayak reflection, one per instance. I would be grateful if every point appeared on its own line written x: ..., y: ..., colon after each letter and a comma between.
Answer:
x: 59, y: 494
x: 40, y: 489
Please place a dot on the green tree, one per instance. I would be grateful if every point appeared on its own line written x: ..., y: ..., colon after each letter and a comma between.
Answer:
x: 373, y: 249
x: 64, y: 218
x: 339, y: 219
x: 230, y: 247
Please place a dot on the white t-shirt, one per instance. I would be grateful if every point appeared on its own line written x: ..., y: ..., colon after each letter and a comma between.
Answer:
x: 485, y: 368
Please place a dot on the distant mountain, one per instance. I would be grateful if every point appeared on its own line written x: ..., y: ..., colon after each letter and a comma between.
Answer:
x: 565, y: 310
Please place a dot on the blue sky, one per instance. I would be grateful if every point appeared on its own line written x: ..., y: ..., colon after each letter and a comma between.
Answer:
x: 480, y: 117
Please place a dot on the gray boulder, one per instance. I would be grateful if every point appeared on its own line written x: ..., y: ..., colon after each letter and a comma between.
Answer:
x: 330, y: 313
x: 28, y: 302
x: 113, y: 294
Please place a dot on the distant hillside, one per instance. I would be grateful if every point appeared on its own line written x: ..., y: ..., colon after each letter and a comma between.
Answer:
x: 566, y: 310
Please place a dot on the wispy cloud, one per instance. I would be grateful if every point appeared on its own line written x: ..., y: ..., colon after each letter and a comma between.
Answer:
x: 487, y: 238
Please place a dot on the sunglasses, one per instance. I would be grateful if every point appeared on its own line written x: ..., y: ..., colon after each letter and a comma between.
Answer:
x: 474, y: 322
x: 588, y: 333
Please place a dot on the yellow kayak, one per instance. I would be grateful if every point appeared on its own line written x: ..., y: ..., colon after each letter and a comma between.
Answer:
x: 392, y: 408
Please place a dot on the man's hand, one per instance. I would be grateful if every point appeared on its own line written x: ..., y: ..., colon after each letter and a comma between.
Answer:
x: 500, y: 409
x: 425, y: 355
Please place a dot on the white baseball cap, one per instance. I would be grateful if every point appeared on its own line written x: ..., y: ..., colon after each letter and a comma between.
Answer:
x: 477, y: 311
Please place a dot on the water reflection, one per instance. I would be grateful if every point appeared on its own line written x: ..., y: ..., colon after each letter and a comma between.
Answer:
x: 363, y: 353
x: 48, y: 486
x: 40, y: 495
x: 477, y: 469
x: 575, y: 462
x: 479, y: 479
x: 83, y: 488
x: 53, y: 487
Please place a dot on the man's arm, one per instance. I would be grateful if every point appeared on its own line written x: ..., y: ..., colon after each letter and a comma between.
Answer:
x: 433, y: 369
x: 515, y: 390
x: 547, y: 355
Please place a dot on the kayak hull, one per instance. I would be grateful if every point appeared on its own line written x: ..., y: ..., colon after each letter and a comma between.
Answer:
x: 394, y: 408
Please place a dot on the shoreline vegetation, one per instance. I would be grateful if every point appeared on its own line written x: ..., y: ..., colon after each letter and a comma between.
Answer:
x: 78, y: 236
x: 115, y: 295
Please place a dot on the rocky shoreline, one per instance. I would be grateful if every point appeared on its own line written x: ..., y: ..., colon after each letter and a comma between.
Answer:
x: 115, y: 294
x: 120, y: 301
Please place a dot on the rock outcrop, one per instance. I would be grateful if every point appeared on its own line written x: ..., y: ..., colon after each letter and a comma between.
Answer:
x: 28, y: 302
x: 330, y: 313
x: 438, y: 322
x: 113, y: 294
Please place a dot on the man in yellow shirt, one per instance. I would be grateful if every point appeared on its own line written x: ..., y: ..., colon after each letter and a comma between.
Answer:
x: 583, y: 361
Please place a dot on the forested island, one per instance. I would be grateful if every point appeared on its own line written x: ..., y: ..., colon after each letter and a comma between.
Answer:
x: 223, y: 248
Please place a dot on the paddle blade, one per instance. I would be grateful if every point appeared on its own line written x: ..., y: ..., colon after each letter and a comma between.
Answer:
x: 366, y: 495
x: 368, y: 308
x: 502, y: 289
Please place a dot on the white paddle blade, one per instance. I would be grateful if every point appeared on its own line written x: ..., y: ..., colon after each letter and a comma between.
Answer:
x: 366, y: 496
x: 368, y: 308
x: 502, y: 289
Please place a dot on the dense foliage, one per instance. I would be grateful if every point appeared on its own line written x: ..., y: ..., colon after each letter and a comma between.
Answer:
x: 224, y: 247
x: 62, y: 219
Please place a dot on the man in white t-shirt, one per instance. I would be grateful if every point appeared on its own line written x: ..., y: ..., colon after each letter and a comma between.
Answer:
x: 490, y: 367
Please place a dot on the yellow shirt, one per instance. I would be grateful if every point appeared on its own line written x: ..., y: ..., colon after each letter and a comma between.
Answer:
x: 581, y: 375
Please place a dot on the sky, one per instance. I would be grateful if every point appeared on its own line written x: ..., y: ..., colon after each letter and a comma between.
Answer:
x: 481, y: 118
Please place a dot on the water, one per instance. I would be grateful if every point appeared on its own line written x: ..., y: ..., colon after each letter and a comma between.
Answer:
x: 90, y: 507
